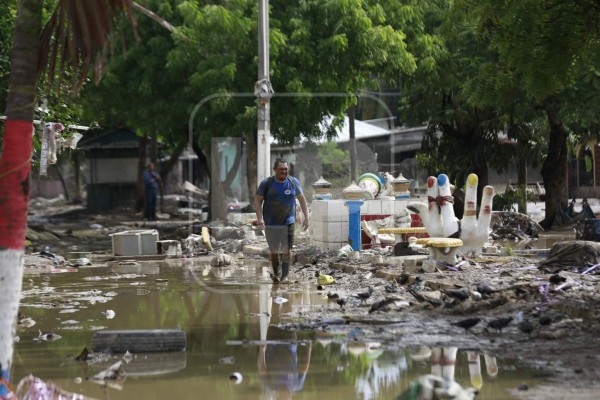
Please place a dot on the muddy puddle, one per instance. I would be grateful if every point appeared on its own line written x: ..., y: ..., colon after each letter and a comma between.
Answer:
x: 234, y: 346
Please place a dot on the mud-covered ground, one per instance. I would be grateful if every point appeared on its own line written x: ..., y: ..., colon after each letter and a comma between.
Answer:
x: 559, y: 326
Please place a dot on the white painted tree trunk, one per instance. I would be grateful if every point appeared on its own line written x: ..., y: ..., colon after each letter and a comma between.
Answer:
x: 11, y: 277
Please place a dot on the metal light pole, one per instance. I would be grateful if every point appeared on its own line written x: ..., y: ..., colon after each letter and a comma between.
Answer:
x: 263, y: 90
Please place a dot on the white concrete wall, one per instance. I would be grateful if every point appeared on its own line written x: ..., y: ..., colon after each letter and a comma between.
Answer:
x: 329, y: 219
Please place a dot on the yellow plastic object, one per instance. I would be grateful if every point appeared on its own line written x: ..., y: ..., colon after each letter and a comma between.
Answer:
x: 404, y: 230
x: 325, y: 279
x: 444, y: 242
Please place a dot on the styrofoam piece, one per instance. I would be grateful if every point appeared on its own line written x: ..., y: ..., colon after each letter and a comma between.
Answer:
x: 135, y: 243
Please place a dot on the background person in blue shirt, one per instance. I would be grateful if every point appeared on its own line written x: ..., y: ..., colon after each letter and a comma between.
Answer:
x: 151, y: 182
x: 275, y: 205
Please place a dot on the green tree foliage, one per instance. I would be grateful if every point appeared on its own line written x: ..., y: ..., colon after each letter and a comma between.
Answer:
x: 315, y: 47
x: 551, y: 48
x: 138, y: 90
x: 462, y: 134
x: 8, y: 11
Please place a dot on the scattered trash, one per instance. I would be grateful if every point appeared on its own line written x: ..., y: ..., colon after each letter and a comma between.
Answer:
x: 323, y: 279
x: 31, y: 387
x: 431, y: 387
x: 280, y: 300
x: 221, y: 260
x: 227, y: 360
x: 113, y: 376
x: 127, y: 357
x: 236, y: 378
x: 565, y: 255
x: 80, y: 262
x: 47, y: 337
x: 25, y: 321
x: 193, y: 246
x: 109, y: 314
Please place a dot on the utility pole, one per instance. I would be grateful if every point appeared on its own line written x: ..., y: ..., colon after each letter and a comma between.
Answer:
x: 263, y: 90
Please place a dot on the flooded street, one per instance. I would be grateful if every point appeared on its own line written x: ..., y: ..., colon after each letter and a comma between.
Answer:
x: 230, y: 317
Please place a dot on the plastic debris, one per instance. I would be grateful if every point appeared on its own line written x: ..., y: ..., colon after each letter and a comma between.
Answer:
x: 113, y: 376
x: 31, y: 387
x: 47, y: 337
x: 325, y: 279
x: 236, y: 378
x: 432, y: 387
x: 280, y: 300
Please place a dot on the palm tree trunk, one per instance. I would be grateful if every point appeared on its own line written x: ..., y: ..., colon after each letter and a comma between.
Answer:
x: 15, y: 167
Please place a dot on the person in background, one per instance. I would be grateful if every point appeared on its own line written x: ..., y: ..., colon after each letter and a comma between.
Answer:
x: 151, y: 182
x: 275, y: 205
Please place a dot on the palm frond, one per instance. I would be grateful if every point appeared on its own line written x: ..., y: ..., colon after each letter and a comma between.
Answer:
x: 76, y: 37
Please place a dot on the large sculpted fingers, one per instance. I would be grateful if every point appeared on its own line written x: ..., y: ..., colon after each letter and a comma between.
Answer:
x: 475, y: 231
x: 469, y: 221
x: 485, y: 214
x: 446, y: 201
x: 434, y: 228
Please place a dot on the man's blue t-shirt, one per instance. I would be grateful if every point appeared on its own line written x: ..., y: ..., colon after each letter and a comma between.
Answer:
x: 283, y: 363
x: 279, y: 205
x: 150, y: 182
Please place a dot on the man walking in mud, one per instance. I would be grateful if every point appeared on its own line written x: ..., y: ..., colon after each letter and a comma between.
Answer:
x: 275, y: 205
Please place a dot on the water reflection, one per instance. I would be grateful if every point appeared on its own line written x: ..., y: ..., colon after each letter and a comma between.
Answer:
x: 232, y: 324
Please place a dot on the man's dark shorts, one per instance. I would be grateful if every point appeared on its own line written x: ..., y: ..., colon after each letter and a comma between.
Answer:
x: 280, y: 237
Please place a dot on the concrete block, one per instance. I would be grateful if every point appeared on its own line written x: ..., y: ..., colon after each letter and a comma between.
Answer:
x: 336, y: 233
x: 388, y: 206
x: 371, y: 207
x: 318, y: 210
x: 319, y: 230
x: 429, y: 266
x: 411, y: 261
x: 337, y: 211
x: 411, y: 269
x: 400, y: 206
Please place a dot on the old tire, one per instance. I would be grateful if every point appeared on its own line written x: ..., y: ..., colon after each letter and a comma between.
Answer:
x: 139, y: 341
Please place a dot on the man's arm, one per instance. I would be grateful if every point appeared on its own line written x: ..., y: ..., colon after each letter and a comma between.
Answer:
x: 304, y: 207
x: 260, y: 362
x: 258, y: 202
x: 303, y: 368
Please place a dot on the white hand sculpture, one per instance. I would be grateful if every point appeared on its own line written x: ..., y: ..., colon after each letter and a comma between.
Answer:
x: 440, y: 221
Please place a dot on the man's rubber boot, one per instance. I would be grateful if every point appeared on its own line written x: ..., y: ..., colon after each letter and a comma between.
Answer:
x: 275, y: 264
x: 275, y: 275
x: 285, y: 270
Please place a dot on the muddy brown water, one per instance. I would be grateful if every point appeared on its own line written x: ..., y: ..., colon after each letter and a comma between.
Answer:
x: 226, y: 314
